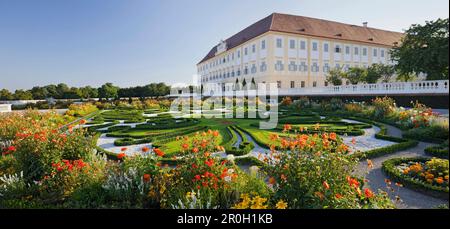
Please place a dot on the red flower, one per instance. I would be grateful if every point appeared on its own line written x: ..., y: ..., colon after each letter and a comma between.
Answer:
x: 158, y: 152
x: 146, y: 177
x: 145, y: 149
x: 369, y: 194
x: 194, y: 166
x: 123, y: 149
x: 120, y: 155
x: 185, y: 146
x: 209, y: 162
x: 11, y: 148
x: 197, y: 177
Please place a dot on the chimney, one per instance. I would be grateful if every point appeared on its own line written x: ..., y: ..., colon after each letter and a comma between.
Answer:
x: 365, y: 24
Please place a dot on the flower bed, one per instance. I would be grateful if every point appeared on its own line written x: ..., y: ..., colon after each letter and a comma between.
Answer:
x: 422, y: 174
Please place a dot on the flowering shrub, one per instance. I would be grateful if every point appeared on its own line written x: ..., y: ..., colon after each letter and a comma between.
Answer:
x: 434, y: 172
x: 383, y: 107
x: 355, y: 108
x: 219, y: 181
x: 81, y: 110
x: 314, y: 171
x: 68, y: 176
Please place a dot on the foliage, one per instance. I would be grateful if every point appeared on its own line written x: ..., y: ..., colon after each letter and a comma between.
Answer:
x: 379, y: 71
x: 335, y: 76
x: 315, y: 172
x: 424, y: 48
x: 383, y: 106
x: 356, y: 75
x: 81, y: 110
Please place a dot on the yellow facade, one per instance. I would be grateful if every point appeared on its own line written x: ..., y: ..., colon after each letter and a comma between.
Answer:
x: 224, y: 67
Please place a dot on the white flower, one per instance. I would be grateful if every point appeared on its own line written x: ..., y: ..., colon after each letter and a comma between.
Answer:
x: 230, y: 171
x: 230, y: 158
x: 227, y: 179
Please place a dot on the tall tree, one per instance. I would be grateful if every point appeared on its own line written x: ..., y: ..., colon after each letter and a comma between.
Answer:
x: 334, y: 76
x: 108, y: 91
x: 379, y: 71
x: 355, y: 75
x: 23, y: 95
x: 39, y: 92
x: 424, y: 49
x: 6, y: 95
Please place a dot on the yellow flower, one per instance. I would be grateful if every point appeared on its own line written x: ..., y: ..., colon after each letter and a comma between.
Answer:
x: 281, y: 205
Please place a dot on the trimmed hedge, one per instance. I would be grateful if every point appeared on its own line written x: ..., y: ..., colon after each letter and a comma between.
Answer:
x: 157, y: 139
x: 97, y: 127
x: 402, y: 143
x: 249, y: 161
x: 389, y: 168
x: 244, y: 147
x: 437, y: 151
x: 166, y: 125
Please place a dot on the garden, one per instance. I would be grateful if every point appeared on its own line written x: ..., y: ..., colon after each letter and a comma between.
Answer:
x: 138, y: 154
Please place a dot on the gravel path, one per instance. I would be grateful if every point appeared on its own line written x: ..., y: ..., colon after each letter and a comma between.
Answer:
x: 409, y: 199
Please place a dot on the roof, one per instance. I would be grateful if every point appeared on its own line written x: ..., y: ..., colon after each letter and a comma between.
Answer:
x: 314, y: 27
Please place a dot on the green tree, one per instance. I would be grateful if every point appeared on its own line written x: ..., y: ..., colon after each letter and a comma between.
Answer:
x: 6, y: 95
x: 405, y: 77
x: 379, y: 71
x: 23, y: 95
x: 39, y: 92
x: 51, y: 91
x: 334, y: 76
x: 355, y: 75
x: 108, y: 91
x: 424, y: 49
x: 88, y: 92
x: 61, y: 90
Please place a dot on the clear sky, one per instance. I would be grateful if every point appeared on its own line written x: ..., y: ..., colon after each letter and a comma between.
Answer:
x: 136, y: 42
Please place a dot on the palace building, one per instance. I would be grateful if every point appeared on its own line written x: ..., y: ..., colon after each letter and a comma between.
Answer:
x: 294, y: 52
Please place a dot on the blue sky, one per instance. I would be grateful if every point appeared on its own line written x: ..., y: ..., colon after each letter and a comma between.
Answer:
x: 136, y: 42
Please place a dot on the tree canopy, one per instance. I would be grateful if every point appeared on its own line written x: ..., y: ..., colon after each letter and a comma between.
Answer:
x: 424, y: 49
x: 63, y: 91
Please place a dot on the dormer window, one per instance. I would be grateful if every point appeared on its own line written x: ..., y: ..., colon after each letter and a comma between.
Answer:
x: 222, y: 47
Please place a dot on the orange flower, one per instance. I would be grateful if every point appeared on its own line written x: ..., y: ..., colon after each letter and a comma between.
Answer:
x: 82, y: 122
x: 146, y: 177
x: 326, y: 185
x: 369, y: 164
x: 287, y: 127
x: 120, y: 155
x: 195, y: 150
x: 158, y: 152
x: 338, y: 196
x: 216, y: 133
x: 272, y: 181
x: 440, y: 180
x: 283, y: 177
x: 145, y: 149
x: 185, y: 146
x: 333, y: 136
x: 354, y: 141
x: 320, y: 195
x: 369, y: 194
